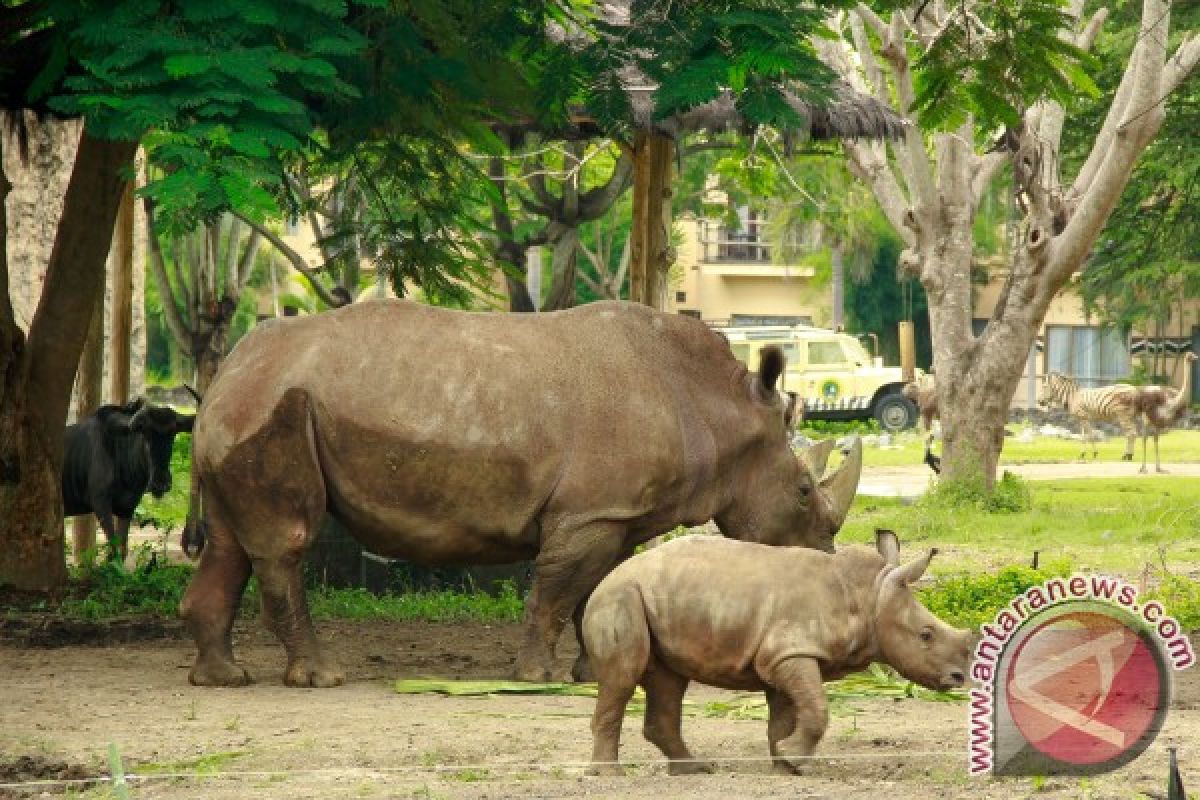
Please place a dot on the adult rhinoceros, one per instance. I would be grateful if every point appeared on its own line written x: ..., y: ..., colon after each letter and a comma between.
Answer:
x: 442, y: 436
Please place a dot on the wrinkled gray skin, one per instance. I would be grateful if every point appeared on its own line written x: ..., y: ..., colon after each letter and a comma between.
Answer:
x: 441, y: 436
x: 742, y: 616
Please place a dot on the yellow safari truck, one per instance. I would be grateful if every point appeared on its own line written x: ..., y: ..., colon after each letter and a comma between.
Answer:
x: 831, y: 372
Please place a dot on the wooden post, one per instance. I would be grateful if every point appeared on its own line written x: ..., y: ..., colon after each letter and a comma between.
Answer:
x: 651, y: 254
x: 908, y: 351
x: 88, y: 382
x: 122, y: 311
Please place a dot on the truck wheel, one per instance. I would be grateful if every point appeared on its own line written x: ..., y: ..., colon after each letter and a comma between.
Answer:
x: 895, y: 413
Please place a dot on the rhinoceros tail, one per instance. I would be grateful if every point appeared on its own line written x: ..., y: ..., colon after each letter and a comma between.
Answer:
x: 195, y: 527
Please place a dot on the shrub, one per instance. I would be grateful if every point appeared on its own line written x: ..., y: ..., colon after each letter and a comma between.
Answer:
x: 109, y: 589
x: 1009, y: 495
x: 971, y: 600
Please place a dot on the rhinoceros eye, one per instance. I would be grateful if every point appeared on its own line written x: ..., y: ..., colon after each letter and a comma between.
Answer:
x: 927, y: 634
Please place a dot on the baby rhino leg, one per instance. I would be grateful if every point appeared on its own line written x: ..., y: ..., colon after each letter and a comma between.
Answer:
x: 798, y: 712
x: 664, y: 712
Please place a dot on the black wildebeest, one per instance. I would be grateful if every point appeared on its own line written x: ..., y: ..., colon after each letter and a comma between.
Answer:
x: 112, y: 457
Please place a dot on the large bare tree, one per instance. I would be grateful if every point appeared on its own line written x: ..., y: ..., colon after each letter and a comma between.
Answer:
x: 930, y: 186
x: 210, y: 267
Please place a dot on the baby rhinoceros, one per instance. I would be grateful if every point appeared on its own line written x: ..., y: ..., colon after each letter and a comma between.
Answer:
x: 748, y: 616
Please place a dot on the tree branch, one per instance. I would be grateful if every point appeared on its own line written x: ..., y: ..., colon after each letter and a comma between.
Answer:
x: 246, y: 263
x: 175, y: 322
x: 295, y: 259
x: 1139, y: 121
x: 985, y: 170
x: 594, y: 203
x: 1180, y: 66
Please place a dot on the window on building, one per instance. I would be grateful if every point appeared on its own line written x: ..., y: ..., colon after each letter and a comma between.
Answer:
x: 690, y: 312
x: 825, y: 353
x: 1093, y: 356
x: 681, y: 297
x: 746, y: 241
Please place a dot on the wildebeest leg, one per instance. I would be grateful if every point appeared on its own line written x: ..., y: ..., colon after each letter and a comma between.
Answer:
x: 285, y: 612
x: 211, y: 603
x: 104, y: 517
x: 122, y: 541
x: 570, y: 565
x: 781, y: 723
x: 800, y: 680
x: 664, y: 709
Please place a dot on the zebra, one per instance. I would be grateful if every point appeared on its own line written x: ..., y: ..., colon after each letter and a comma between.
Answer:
x: 1115, y: 403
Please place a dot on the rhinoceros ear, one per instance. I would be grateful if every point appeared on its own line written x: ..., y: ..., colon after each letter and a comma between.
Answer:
x: 910, y: 573
x: 771, y: 362
x: 888, y: 545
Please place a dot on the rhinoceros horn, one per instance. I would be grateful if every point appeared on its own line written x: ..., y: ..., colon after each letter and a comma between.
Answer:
x: 816, y: 456
x: 841, y: 485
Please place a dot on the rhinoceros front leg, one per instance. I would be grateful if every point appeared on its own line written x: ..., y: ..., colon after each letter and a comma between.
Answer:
x: 285, y: 611
x: 798, y: 712
x: 569, y: 566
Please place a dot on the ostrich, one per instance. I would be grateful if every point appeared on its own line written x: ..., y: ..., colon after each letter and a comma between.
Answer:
x: 1161, y: 407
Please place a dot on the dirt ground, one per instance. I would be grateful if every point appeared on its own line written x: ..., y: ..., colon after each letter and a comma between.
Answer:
x: 60, y: 707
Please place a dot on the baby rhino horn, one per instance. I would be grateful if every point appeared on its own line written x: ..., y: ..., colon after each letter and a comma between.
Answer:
x: 910, y: 573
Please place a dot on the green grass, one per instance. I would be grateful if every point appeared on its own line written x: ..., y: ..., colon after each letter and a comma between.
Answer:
x: 436, y: 606
x: 1101, y: 524
x: 908, y: 449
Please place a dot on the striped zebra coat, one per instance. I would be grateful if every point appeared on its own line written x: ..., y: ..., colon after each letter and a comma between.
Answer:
x: 1116, y: 403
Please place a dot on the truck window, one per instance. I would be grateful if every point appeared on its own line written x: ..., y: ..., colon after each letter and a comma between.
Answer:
x: 825, y: 353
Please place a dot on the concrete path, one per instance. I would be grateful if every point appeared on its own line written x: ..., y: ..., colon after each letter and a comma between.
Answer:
x: 912, y: 481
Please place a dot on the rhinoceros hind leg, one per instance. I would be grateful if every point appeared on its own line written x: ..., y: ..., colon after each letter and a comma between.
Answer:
x: 285, y: 611
x: 569, y: 566
x: 663, y: 723
x: 799, y: 713
x: 210, y: 605
x: 781, y: 723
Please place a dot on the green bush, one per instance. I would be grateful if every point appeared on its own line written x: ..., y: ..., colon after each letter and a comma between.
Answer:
x: 970, y: 600
x: 1009, y: 495
x: 814, y: 428
x: 1181, y: 598
x: 108, y: 589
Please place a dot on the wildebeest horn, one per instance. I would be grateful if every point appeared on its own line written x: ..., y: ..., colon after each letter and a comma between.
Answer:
x: 816, y: 456
x: 841, y: 486
x: 135, y: 422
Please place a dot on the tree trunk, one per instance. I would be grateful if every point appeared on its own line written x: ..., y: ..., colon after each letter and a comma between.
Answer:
x: 562, y: 282
x: 38, y: 373
x: 87, y: 399
x: 651, y: 254
x: 122, y: 310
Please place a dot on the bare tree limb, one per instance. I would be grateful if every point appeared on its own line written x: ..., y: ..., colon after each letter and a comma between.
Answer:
x: 175, y: 322
x: 985, y: 170
x: 246, y: 264
x: 1181, y: 65
x: 1140, y: 120
x: 594, y: 203
x: 295, y: 259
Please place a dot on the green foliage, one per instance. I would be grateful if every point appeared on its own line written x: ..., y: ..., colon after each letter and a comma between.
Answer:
x: 970, y: 600
x: 104, y: 590
x: 1181, y: 598
x: 822, y: 428
x: 694, y: 51
x: 1147, y: 262
x: 1009, y: 495
x: 216, y: 90
x: 993, y: 60
x: 435, y: 606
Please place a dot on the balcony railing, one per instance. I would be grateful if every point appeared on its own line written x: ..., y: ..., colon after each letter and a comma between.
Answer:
x: 719, y: 245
